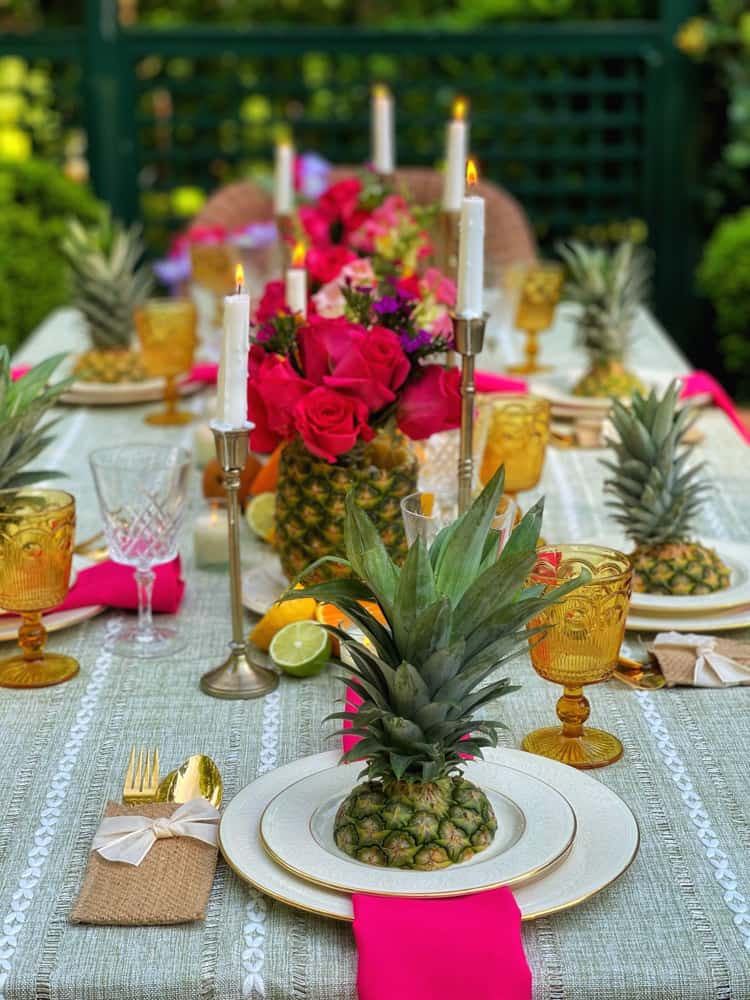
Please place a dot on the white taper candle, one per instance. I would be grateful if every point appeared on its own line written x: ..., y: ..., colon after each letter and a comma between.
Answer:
x: 283, y: 191
x: 383, y: 139
x: 456, y: 150
x: 231, y: 398
x: 470, y: 298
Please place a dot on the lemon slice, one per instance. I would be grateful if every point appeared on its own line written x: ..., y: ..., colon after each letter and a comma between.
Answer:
x: 260, y: 514
x: 301, y: 649
x: 281, y: 614
x: 426, y: 504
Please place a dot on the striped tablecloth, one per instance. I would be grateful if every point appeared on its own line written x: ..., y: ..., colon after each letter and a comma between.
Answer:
x: 675, y: 927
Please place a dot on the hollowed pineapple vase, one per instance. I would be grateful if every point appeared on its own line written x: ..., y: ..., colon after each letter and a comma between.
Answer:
x: 310, y: 497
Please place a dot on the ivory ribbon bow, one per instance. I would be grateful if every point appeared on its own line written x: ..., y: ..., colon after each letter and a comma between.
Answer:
x: 129, y: 838
x: 712, y: 668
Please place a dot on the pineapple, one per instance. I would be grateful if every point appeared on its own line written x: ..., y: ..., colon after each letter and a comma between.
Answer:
x: 23, y: 405
x: 609, y: 285
x: 453, y: 613
x: 656, y: 496
x: 109, y: 285
x: 310, y: 500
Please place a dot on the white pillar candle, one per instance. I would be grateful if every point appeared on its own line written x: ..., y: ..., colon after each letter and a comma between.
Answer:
x: 211, y: 535
x: 383, y: 139
x: 296, y: 282
x: 204, y: 447
x: 470, y: 299
x: 456, y: 150
x: 283, y: 192
x: 231, y: 397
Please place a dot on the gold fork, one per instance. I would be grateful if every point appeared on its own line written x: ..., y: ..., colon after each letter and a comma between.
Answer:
x: 142, y: 778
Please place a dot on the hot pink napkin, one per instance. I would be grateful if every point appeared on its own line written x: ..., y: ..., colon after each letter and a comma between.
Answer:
x: 207, y: 373
x: 490, y: 382
x: 113, y: 584
x: 698, y: 383
x: 486, y: 960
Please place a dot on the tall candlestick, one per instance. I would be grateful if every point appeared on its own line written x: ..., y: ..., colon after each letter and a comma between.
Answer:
x: 471, y: 252
x: 296, y: 282
x: 231, y: 399
x: 456, y: 147
x: 283, y: 192
x: 383, y: 139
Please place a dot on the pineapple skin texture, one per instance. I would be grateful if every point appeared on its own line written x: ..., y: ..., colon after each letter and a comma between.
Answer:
x: 678, y: 568
x: 609, y: 381
x: 310, y: 509
x: 109, y: 365
x: 419, y: 825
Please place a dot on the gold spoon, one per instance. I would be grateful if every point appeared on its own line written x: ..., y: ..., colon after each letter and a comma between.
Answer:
x: 197, y: 777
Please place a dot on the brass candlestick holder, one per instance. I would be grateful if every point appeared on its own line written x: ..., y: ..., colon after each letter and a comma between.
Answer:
x: 468, y: 334
x: 237, y: 676
x: 448, y: 224
x: 285, y: 227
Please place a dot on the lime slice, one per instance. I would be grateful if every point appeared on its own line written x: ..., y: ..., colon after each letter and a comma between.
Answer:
x: 301, y: 649
x: 260, y: 515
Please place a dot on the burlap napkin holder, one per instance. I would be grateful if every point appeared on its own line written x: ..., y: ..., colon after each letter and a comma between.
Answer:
x: 679, y: 663
x: 170, y: 886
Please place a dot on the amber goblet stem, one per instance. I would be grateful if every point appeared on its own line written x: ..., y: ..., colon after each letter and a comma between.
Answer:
x: 171, y: 395
x: 32, y: 636
x: 572, y: 710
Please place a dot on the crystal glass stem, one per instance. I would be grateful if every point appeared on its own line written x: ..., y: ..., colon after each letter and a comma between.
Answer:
x: 144, y: 579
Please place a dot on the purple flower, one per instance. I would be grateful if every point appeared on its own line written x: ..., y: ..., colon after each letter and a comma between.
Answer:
x: 312, y: 173
x: 388, y: 304
x: 412, y: 342
x: 255, y: 235
x: 172, y: 271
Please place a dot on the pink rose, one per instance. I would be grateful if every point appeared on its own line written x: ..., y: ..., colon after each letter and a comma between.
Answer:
x: 272, y: 302
x: 273, y: 390
x: 442, y: 288
x: 330, y: 423
x: 323, y: 343
x: 330, y: 301
x: 325, y: 263
x: 372, y: 368
x: 336, y: 215
x: 341, y: 200
x: 431, y: 403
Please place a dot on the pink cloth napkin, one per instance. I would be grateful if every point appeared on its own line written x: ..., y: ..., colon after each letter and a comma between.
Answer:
x: 698, y: 383
x: 206, y: 373
x: 490, y: 382
x: 19, y: 371
x: 486, y: 960
x: 113, y: 584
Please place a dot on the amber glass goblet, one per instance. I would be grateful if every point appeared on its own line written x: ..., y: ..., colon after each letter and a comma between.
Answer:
x: 37, y: 528
x: 540, y: 292
x: 581, y: 646
x: 515, y: 431
x: 213, y: 267
x: 167, y: 332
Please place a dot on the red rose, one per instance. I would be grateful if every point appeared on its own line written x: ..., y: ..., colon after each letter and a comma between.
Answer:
x: 330, y: 423
x: 408, y: 287
x: 372, y: 368
x: 336, y: 214
x: 324, y: 342
x: 325, y: 263
x: 272, y: 301
x: 273, y: 390
x: 341, y: 200
x: 316, y: 225
x: 431, y: 403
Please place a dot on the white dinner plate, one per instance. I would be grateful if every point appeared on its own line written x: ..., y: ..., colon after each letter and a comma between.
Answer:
x: 535, y: 827
x: 605, y: 844
x: 716, y: 621
x: 122, y: 393
x: 264, y: 584
x: 557, y: 387
x: 736, y: 556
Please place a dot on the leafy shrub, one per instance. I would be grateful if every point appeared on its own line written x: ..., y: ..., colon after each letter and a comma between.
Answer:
x: 724, y: 277
x: 35, y: 201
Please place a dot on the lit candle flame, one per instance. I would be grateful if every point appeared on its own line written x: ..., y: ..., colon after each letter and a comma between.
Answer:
x: 380, y: 90
x: 239, y: 278
x: 471, y: 173
x: 460, y: 107
x: 298, y: 255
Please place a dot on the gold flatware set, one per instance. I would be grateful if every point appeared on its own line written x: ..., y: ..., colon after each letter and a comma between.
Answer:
x: 196, y: 777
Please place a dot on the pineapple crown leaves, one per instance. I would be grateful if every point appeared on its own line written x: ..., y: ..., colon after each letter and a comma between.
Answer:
x: 655, y: 493
x: 23, y: 404
x: 454, y: 613
x: 610, y: 285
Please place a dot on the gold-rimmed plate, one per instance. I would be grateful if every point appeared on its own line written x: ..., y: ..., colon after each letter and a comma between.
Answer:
x: 606, y: 841
x: 536, y: 826
x: 122, y: 393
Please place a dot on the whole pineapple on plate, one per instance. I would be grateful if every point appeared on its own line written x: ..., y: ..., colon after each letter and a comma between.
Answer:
x: 109, y: 284
x: 24, y: 432
x: 453, y: 614
x: 310, y: 494
x: 609, y: 285
x: 656, y: 495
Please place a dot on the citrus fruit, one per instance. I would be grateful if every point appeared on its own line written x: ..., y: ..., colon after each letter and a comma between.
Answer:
x: 267, y: 477
x: 260, y: 515
x: 329, y: 614
x: 281, y: 614
x: 213, y: 478
x: 301, y: 649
